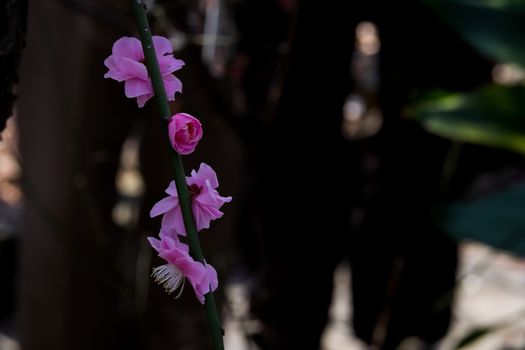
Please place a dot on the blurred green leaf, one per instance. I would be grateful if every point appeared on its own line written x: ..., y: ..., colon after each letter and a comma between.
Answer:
x: 493, y: 115
x: 494, y: 27
x: 495, y: 219
x: 472, y: 337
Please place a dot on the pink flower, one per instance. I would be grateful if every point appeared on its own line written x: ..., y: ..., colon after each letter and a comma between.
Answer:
x: 205, y: 201
x: 181, y: 266
x: 127, y: 64
x: 185, y: 132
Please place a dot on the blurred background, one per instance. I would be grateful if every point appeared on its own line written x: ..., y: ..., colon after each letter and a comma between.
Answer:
x: 374, y: 151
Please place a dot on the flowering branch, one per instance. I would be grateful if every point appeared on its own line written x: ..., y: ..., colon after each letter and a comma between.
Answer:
x: 139, y: 10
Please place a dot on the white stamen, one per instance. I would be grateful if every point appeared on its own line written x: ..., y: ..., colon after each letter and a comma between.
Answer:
x: 170, y: 278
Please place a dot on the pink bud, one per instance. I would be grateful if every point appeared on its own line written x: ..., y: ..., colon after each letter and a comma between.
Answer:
x: 185, y: 132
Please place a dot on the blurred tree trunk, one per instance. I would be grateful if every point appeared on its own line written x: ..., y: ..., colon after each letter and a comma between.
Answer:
x: 72, y: 126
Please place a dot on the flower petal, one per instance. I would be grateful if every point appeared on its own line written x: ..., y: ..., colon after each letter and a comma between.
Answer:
x: 169, y: 64
x: 196, y: 274
x: 202, y: 220
x: 133, y: 69
x: 128, y: 47
x: 172, y: 189
x: 173, y: 220
x: 114, y: 71
x: 141, y: 100
x: 205, y: 171
x: 136, y: 88
x: 207, y: 284
x: 155, y: 243
x: 179, y: 223
x: 213, y: 279
x: 163, y: 206
x: 172, y: 85
x: 164, y: 50
x: 162, y: 45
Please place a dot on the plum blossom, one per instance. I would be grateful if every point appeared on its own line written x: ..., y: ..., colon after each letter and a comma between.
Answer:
x: 205, y: 201
x: 126, y: 64
x: 181, y: 267
x: 185, y: 132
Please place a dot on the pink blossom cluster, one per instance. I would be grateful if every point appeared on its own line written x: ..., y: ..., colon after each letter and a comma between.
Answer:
x: 205, y: 203
x: 126, y: 64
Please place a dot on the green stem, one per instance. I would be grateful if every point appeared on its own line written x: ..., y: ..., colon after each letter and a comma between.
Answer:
x: 139, y: 10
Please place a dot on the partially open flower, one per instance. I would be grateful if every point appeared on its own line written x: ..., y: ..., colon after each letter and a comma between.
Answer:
x: 185, y: 132
x: 205, y: 201
x: 127, y: 64
x: 181, y: 266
